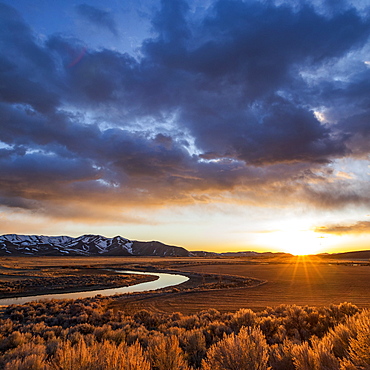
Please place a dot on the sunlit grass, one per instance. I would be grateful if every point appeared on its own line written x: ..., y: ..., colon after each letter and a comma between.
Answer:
x: 302, y: 269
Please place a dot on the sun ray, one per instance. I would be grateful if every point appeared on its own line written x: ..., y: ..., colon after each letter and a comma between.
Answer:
x: 295, y: 270
x: 307, y: 275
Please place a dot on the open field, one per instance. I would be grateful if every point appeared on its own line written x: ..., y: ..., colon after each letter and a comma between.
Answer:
x: 24, y: 276
x: 289, y: 283
x: 297, y: 281
x: 279, y: 281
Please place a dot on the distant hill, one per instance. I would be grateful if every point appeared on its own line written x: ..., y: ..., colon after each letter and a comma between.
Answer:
x: 204, y: 254
x: 356, y: 255
x: 255, y: 254
x: 97, y: 245
x: 85, y: 245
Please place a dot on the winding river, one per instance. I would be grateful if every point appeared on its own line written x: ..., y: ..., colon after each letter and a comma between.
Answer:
x: 164, y: 280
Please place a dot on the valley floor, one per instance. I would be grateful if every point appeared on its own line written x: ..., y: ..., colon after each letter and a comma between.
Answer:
x: 259, y: 283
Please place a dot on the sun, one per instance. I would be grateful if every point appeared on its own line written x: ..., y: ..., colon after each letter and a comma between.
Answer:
x: 298, y: 242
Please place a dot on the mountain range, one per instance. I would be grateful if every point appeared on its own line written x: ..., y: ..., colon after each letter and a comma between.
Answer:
x: 85, y: 245
x: 97, y: 245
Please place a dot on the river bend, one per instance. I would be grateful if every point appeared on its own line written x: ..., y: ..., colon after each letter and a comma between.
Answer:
x: 164, y: 280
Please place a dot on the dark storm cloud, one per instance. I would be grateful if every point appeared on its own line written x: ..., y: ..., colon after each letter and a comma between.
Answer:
x: 252, y: 41
x: 99, y: 17
x: 214, y: 103
x: 25, y: 67
x: 356, y: 124
x: 19, y: 43
x: 239, y: 70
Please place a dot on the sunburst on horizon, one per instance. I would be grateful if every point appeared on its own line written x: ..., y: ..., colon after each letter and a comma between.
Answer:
x: 296, y: 242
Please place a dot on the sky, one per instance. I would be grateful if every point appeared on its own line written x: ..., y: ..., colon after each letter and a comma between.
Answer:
x: 219, y: 125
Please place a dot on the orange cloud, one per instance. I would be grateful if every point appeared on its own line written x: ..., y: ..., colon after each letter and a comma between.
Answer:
x: 359, y: 227
x: 344, y: 175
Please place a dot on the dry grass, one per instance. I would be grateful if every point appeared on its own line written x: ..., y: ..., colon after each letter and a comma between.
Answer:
x: 289, y: 281
x: 301, y: 282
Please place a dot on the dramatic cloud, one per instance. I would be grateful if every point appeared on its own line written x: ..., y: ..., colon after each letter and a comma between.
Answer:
x: 357, y: 228
x: 245, y: 102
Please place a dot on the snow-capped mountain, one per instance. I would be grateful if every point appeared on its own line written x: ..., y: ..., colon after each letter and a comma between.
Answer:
x: 85, y: 245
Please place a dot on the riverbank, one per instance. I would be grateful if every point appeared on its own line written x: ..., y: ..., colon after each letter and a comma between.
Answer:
x: 21, y: 279
x: 54, y: 280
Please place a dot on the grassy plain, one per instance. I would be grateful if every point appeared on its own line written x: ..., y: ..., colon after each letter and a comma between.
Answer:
x: 295, y: 280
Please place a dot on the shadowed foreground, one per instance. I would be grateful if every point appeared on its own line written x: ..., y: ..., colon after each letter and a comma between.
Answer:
x: 83, y: 334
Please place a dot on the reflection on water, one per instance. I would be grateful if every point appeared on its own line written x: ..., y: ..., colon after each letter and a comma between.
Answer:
x: 163, y: 281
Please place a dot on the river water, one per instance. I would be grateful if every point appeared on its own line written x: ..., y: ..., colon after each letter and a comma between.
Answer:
x: 163, y: 281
